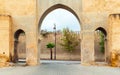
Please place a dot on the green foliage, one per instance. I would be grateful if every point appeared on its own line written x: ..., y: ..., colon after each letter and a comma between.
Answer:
x: 69, y: 40
x: 102, y: 48
x: 50, y: 45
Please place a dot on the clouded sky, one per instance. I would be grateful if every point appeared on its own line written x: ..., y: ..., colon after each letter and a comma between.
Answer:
x: 62, y: 18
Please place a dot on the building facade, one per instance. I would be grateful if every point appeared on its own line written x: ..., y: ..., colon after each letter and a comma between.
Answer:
x: 18, y: 16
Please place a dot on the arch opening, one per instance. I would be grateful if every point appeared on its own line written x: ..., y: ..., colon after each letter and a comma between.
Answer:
x: 102, y: 30
x: 51, y: 9
x: 19, y: 46
x: 57, y: 6
x: 100, y: 44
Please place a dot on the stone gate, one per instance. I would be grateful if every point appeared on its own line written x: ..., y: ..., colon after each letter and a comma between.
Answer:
x: 27, y: 15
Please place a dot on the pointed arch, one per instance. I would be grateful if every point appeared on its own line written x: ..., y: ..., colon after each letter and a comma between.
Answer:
x: 17, y: 33
x: 19, y: 47
x: 53, y: 8
x: 103, y: 30
x: 100, y: 46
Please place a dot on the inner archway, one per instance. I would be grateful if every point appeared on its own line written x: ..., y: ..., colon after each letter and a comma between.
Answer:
x: 51, y: 30
x: 19, y: 45
x: 100, y: 44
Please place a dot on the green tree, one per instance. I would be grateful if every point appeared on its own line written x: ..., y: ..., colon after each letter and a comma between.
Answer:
x: 50, y: 46
x: 101, y: 43
x: 69, y: 40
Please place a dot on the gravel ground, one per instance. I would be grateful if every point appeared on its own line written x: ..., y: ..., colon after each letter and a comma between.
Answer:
x: 59, y: 68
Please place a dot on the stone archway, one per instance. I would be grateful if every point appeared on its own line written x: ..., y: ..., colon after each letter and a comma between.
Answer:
x: 19, y: 45
x: 53, y: 8
x: 31, y: 12
x: 100, y: 44
x: 56, y: 7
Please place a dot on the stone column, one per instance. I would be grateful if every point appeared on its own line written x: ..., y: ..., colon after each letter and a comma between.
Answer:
x: 5, y: 35
x: 113, y: 35
x: 114, y: 32
x: 87, y: 47
x: 32, y: 54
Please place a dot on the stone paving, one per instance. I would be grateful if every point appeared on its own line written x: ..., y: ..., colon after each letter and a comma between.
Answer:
x: 59, y: 68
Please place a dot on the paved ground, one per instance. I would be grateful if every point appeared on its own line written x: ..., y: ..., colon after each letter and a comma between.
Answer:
x: 59, y: 68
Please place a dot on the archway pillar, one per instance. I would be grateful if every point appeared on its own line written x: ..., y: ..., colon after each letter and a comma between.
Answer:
x: 87, y: 47
x: 113, y: 40
x: 32, y: 54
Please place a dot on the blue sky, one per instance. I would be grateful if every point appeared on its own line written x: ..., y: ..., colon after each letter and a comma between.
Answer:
x: 62, y: 18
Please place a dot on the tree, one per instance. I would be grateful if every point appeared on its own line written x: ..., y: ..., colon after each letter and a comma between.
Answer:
x: 102, y: 48
x: 50, y: 46
x: 69, y: 40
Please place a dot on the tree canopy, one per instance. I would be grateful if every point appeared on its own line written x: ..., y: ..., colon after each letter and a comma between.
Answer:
x: 69, y: 40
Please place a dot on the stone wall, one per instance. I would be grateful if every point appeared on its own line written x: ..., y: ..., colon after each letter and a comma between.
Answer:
x: 61, y: 53
x: 114, y: 32
x: 5, y: 35
x: 29, y: 14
